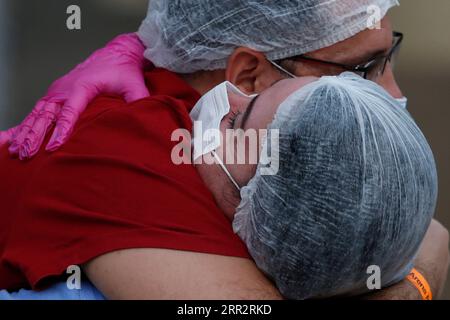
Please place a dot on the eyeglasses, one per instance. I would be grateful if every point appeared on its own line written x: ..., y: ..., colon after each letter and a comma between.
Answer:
x: 371, y: 70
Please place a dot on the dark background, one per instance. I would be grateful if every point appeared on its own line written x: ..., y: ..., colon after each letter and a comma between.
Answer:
x: 36, y: 48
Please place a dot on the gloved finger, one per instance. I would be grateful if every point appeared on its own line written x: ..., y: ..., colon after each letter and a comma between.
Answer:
x: 7, y: 135
x: 136, y: 91
x: 24, y: 127
x: 67, y: 118
x: 36, y: 135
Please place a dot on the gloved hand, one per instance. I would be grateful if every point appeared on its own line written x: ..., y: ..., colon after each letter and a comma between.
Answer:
x: 6, y: 136
x: 115, y: 69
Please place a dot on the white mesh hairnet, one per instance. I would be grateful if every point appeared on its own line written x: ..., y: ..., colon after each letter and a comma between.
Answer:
x: 191, y: 35
x: 356, y: 187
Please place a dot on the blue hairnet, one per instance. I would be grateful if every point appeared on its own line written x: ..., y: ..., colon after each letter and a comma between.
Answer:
x: 356, y: 186
x: 190, y: 35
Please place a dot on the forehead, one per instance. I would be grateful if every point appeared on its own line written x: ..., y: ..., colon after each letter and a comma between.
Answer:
x: 361, y: 46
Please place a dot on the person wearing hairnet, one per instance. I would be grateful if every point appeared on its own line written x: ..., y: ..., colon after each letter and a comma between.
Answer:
x: 354, y: 186
x: 202, y: 43
x: 345, y: 180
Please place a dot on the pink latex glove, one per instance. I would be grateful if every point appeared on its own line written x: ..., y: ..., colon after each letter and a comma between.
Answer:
x: 116, y: 69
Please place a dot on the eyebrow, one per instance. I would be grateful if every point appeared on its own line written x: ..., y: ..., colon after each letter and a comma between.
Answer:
x: 247, y: 112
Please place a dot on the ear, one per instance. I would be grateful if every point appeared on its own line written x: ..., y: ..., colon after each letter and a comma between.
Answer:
x: 250, y: 71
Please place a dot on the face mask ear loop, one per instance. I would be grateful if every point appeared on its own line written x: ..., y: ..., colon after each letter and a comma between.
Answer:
x: 282, y: 69
x: 225, y: 170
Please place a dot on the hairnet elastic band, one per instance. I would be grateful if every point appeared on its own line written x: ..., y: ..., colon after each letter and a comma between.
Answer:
x: 225, y: 170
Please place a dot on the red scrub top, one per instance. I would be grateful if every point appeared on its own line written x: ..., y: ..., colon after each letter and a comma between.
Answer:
x: 112, y: 186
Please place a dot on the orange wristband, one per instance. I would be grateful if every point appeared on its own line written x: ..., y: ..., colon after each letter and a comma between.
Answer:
x: 418, y: 280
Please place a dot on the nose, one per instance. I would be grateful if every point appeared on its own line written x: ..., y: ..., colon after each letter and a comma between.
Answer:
x: 387, y: 81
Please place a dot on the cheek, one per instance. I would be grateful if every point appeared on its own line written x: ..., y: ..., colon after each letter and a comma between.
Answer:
x: 242, y: 173
x: 240, y: 154
x: 247, y: 150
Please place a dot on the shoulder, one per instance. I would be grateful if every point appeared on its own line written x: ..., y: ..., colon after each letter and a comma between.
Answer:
x: 121, y: 152
x: 112, y: 126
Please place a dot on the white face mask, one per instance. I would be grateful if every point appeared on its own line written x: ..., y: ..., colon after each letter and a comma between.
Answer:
x: 208, y: 113
x: 403, y: 102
